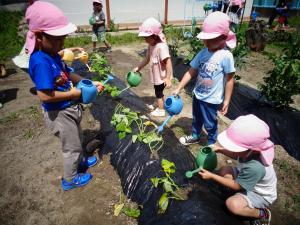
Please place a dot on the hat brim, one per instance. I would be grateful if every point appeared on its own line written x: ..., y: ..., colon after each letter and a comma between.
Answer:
x: 144, y: 34
x: 70, y: 28
x: 229, y: 145
x: 203, y: 36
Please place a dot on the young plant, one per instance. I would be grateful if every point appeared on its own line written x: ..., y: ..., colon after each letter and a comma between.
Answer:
x: 123, y: 120
x: 100, y: 65
x: 169, y: 186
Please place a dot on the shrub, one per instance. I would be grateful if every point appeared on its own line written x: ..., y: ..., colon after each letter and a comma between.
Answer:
x: 284, y: 80
x: 10, y: 42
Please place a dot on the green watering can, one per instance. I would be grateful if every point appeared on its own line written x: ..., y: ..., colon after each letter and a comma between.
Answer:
x: 206, y: 159
x: 133, y: 79
x: 92, y: 21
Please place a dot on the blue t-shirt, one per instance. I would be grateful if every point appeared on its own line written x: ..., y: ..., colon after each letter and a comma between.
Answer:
x: 50, y: 73
x: 212, y: 68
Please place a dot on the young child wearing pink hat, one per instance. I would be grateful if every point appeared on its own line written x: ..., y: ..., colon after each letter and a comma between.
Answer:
x: 214, y: 69
x: 99, y: 25
x: 161, y: 72
x: 254, y: 178
x: 54, y: 85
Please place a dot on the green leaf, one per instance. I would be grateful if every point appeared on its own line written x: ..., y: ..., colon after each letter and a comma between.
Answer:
x: 128, y: 130
x: 155, y: 181
x: 163, y: 203
x: 118, y: 209
x: 122, y: 135
x: 121, y: 127
x: 134, y: 137
x: 169, y: 167
x: 126, y: 110
x: 168, y: 186
x: 131, y: 212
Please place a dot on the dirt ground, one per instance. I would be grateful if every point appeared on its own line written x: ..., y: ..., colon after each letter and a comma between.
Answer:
x: 31, y: 164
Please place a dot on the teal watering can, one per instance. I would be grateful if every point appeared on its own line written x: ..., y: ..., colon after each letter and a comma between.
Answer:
x: 173, y: 105
x: 206, y: 159
x: 88, y: 91
x: 133, y: 79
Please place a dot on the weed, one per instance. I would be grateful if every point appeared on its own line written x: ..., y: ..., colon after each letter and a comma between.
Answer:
x: 10, y: 118
x: 28, y: 134
x: 284, y: 166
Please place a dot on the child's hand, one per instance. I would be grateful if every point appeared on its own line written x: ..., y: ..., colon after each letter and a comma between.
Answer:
x: 176, y: 91
x: 136, y: 69
x: 168, y: 83
x: 205, y: 174
x: 224, y: 108
x: 99, y: 85
x: 217, y: 147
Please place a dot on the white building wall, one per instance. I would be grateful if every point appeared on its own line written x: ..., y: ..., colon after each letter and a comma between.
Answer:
x: 136, y: 11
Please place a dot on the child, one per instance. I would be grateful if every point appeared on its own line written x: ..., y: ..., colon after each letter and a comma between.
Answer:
x: 254, y: 178
x: 161, y: 72
x: 99, y: 25
x: 214, y: 68
x: 54, y: 85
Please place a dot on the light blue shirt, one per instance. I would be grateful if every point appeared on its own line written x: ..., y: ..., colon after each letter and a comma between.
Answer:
x: 212, y: 69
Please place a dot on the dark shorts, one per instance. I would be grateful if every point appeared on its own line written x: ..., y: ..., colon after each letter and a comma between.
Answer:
x: 159, y: 90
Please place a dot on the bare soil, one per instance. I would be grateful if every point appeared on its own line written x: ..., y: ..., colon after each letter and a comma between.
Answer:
x: 31, y: 164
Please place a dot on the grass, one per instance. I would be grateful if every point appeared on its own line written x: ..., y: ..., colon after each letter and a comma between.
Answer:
x: 10, y: 42
x: 122, y: 39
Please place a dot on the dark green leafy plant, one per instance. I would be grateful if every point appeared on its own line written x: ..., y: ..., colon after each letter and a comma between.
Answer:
x: 284, y: 80
x: 169, y: 186
x: 196, y: 46
x: 112, y: 26
x: 10, y: 42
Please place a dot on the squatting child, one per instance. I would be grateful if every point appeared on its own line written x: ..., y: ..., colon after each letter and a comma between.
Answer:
x: 254, y: 178
x: 54, y: 85
x: 161, y: 72
x: 214, y: 68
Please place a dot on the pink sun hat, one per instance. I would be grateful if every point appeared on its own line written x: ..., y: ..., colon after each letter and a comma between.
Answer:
x: 248, y: 132
x: 151, y: 26
x: 215, y: 25
x: 98, y: 1
x: 45, y: 17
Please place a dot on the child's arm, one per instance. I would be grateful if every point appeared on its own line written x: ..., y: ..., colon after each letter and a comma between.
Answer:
x: 228, y: 92
x: 75, y: 78
x: 143, y: 63
x: 186, y: 78
x: 169, y: 71
x: 227, y: 182
x: 57, y: 96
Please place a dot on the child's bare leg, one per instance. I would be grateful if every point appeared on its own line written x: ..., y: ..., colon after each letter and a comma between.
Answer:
x: 239, y: 206
x: 160, y: 103
x: 107, y: 44
x: 94, y: 45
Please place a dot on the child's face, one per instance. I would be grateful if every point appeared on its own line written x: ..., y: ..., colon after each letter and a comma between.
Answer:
x: 150, y: 40
x: 52, y: 44
x: 97, y: 7
x: 215, y: 44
